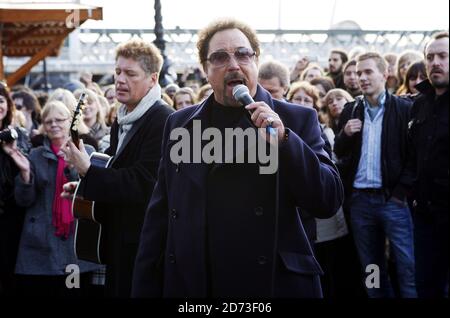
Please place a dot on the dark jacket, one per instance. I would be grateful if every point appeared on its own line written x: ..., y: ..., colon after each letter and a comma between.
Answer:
x: 122, y: 192
x: 396, y: 179
x: 338, y: 79
x: 428, y: 133
x: 11, y: 216
x: 173, y: 258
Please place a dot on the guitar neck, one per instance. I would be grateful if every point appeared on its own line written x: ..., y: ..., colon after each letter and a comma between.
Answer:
x: 76, y: 120
x: 75, y: 138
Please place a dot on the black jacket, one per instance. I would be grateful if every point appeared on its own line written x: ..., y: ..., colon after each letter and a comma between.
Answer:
x: 123, y: 191
x: 428, y: 133
x: 394, y: 150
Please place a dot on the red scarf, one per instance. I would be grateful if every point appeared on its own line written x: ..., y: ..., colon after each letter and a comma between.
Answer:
x: 62, y: 217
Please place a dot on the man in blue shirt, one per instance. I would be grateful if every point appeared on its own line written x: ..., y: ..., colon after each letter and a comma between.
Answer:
x: 373, y: 143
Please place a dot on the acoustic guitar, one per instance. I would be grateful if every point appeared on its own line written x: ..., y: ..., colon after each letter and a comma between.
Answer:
x: 89, y: 238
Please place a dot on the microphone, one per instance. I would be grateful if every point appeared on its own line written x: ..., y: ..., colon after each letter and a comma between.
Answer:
x: 242, y: 95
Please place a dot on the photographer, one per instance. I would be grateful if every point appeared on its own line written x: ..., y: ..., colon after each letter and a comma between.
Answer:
x: 11, y: 216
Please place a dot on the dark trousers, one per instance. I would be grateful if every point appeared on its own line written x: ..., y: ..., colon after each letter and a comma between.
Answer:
x: 342, y: 271
x: 431, y: 240
x: 50, y: 287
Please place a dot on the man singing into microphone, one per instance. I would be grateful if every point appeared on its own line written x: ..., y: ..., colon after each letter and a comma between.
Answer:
x: 225, y: 229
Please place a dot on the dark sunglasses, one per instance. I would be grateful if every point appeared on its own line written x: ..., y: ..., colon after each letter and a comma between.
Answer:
x: 242, y: 55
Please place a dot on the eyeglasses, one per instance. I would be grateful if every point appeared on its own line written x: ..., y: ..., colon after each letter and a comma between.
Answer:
x: 221, y: 58
x: 57, y: 121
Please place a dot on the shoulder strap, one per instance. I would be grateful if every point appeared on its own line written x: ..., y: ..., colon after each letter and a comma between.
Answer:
x: 358, y: 99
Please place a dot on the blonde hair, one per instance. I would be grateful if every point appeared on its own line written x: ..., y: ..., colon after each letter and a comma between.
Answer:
x: 311, y: 66
x: 65, y: 96
x: 104, y: 104
x: 55, y: 106
x: 313, y: 92
x: 92, y: 97
x: 202, y: 92
x: 336, y: 92
x: 406, y: 56
x: 330, y: 122
x: 380, y: 62
x: 309, y: 89
x: 68, y: 99
x: 19, y: 119
x: 184, y: 91
x: 112, y: 114
x: 146, y: 54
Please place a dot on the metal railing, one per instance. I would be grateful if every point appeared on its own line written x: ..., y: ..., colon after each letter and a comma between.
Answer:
x: 93, y: 49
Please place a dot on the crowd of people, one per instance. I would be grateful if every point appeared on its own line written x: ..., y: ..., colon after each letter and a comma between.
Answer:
x: 362, y: 176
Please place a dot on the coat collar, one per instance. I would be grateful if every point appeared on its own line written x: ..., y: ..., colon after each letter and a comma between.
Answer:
x: 48, y: 153
x: 202, y: 110
x: 136, y: 125
x: 198, y: 171
x: 427, y: 89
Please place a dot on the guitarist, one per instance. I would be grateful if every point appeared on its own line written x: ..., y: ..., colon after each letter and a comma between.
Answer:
x: 122, y: 190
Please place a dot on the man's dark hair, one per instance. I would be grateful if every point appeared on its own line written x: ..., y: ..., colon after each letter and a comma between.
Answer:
x: 342, y: 54
x: 349, y: 63
x: 205, y: 35
x: 435, y: 36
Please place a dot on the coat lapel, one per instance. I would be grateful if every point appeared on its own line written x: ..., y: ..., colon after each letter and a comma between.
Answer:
x: 133, y: 131
x: 48, y: 153
x: 197, y: 172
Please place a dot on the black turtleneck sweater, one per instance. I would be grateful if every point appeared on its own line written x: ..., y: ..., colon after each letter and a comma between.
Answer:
x: 239, y: 201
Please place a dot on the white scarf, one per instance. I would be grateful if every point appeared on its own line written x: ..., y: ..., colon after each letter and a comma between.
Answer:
x: 126, y: 120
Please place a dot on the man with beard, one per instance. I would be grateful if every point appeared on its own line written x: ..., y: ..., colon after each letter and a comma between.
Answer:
x: 429, y: 145
x: 336, y: 61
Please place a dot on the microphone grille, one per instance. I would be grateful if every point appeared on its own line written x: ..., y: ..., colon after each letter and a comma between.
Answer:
x: 239, y: 90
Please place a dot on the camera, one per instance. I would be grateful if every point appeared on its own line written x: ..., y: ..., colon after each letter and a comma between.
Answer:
x: 8, y: 135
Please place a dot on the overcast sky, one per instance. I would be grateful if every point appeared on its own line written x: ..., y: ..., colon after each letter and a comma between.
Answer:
x: 271, y: 14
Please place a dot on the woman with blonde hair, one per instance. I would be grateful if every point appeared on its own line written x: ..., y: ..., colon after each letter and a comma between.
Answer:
x: 204, y: 92
x: 46, y: 244
x: 334, y: 102
x: 93, y: 114
x: 68, y: 99
x: 184, y: 97
x: 311, y: 72
x: 404, y: 61
x: 305, y: 94
x: 105, y: 106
